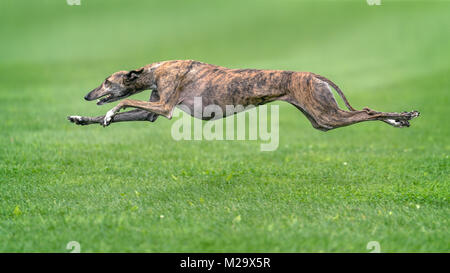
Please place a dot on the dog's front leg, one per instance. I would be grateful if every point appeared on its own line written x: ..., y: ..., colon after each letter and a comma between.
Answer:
x: 133, y: 115
x: 160, y: 108
x: 82, y: 120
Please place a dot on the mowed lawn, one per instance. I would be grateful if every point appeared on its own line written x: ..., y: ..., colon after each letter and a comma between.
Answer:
x: 131, y: 187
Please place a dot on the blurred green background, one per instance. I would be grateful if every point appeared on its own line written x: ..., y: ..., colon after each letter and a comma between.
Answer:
x: 131, y: 187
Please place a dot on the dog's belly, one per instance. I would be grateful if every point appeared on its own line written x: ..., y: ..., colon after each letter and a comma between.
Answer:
x: 233, y: 88
x: 201, y: 104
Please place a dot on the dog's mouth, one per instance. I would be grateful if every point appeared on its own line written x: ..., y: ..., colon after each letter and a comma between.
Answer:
x: 104, y: 99
x: 107, y: 98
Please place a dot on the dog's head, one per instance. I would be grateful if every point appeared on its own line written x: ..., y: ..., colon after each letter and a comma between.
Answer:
x: 119, y: 85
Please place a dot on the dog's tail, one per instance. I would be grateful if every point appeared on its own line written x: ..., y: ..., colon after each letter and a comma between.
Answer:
x: 338, y: 90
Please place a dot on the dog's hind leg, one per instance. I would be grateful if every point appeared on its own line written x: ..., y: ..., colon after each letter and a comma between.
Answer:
x: 133, y: 115
x: 317, y: 102
x: 344, y: 118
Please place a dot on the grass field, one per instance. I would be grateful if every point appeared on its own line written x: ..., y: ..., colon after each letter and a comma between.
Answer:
x: 131, y: 187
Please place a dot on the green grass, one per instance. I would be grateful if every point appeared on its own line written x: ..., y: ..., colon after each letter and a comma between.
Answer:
x: 131, y: 187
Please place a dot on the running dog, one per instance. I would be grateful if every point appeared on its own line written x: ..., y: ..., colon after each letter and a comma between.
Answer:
x: 177, y: 83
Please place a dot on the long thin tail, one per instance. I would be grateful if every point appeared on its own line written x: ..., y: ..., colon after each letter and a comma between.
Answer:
x: 322, y: 78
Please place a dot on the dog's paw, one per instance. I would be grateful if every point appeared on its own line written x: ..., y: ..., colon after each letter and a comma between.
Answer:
x: 412, y: 114
x: 79, y: 120
x: 399, y: 123
x: 108, y: 118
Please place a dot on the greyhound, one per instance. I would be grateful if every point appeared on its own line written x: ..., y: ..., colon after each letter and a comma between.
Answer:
x: 177, y: 83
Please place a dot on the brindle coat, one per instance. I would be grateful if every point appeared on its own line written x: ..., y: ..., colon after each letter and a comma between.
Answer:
x: 176, y: 83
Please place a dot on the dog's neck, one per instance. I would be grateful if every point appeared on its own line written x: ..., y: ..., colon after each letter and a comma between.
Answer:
x: 146, y: 80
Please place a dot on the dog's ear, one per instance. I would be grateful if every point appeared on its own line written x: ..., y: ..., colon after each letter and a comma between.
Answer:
x: 133, y: 75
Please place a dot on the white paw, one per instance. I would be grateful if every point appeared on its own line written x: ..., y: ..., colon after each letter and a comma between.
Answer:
x: 79, y: 120
x: 394, y: 123
x: 75, y: 118
x: 108, y: 117
x: 415, y: 114
x: 398, y: 123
